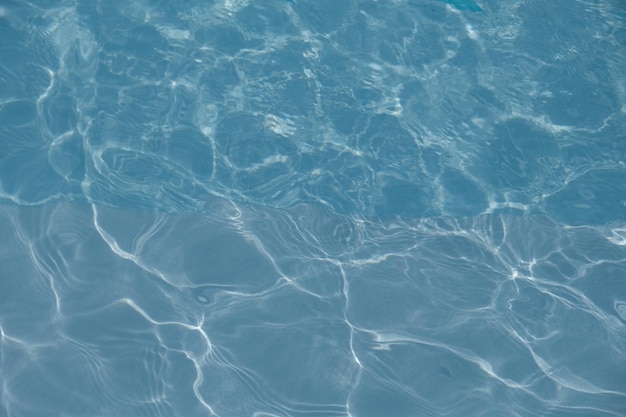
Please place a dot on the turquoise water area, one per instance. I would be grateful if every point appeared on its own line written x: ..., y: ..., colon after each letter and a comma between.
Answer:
x: 464, y: 5
x: 359, y: 208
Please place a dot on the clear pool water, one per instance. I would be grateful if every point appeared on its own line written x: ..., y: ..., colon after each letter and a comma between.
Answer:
x: 359, y: 208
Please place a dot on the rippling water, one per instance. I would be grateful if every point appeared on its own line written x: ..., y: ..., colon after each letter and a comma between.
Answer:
x: 313, y: 208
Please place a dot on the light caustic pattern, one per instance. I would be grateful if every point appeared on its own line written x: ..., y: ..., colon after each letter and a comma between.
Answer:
x: 312, y: 208
x: 174, y: 314
x: 399, y: 108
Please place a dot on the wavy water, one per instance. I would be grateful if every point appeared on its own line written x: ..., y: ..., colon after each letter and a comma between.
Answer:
x: 320, y: 208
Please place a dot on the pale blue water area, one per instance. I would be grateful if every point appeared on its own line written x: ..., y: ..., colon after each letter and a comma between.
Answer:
x: 290, y: 208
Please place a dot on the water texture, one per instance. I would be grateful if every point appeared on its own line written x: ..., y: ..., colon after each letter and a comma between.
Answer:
x: 313, y: 208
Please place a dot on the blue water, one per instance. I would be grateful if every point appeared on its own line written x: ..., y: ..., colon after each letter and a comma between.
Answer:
x: 312, y: 208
